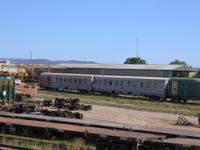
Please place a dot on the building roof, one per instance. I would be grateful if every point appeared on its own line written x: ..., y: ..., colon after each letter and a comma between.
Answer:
x: 127, y: 66
x: 105, y: 76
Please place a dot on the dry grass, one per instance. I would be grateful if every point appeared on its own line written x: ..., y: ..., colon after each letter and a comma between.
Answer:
x: 78, y: 144
x: 41, y: 144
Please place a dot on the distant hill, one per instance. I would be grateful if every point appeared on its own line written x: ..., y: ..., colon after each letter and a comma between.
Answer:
x: 45, y: 61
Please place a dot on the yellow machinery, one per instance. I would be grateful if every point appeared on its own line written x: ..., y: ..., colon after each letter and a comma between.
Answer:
x: 18, y: 71
x: 24, y: 72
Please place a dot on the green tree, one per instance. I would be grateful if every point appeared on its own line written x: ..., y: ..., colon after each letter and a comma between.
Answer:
x: 178, y: 62
x: 135, y: 60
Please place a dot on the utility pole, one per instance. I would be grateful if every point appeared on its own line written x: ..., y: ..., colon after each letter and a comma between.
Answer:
x: 31, y: 55
x: 137, y: 42
x: 32, y: 66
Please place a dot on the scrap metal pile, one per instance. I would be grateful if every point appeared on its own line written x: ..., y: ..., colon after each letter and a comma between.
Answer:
x: 69, y: 104
x: 60, y: 107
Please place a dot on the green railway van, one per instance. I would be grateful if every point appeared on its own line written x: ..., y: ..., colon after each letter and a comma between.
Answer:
x: 184, y: 88
x: 7, y: 88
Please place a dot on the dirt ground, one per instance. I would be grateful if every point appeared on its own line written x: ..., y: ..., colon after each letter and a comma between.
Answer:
x: 138, y: 117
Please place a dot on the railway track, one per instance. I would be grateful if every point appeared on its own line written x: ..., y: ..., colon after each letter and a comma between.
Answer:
x: 97, y: 131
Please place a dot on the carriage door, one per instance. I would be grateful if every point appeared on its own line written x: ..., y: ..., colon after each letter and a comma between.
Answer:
x: 174, y: 88
x: 93, y: 80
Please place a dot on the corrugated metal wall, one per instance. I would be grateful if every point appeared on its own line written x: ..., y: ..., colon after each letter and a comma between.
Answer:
x: 120, y: 72
x: 147, y: 73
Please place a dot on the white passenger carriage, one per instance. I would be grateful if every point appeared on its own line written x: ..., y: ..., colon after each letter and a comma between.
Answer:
x: 66, y: 81
x: 147, y: 86
x: 143, y: 86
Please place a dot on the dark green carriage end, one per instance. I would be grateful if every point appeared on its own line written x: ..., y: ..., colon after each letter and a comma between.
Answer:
x: 184, y: 89
x: 7, y: 88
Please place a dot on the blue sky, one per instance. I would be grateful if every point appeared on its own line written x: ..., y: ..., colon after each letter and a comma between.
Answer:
x: 104, y: 31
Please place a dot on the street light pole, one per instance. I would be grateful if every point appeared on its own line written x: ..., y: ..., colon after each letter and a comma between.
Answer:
x: 137, y: 40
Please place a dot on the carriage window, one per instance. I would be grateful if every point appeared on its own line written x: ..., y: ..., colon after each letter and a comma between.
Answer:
x: 116, y: 83
x: 79, y: 81
x: 48, y: 78
x: 65, y: 79
x: 121, y: 83
x: 56, y: 79
x: 155, y: 84
x: 159, y: 84
x: 141, y: 84
x: 105, y: 82
x: 85, y: 80
x: 70, y: 80
x: 128, y: 83
x: 75, y: 80
x: 60, y: 79
x: 100, y: 81
x: 148, y: 85
x: 110, y: 83
x: 134, y: 84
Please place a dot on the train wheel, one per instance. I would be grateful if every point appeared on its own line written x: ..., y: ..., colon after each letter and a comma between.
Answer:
x: 47, y: 133
x: 174, y: 99
x: 12, y: 129
x: 25, y: 131
x: 185, y: 100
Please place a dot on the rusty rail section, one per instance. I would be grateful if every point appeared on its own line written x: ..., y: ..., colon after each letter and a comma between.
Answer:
x: 107, y: 125
x: 85, y: 132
